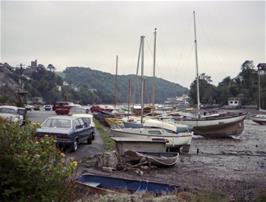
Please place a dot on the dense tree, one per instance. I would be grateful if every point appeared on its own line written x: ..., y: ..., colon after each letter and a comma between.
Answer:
x: 244, y: 86
x: 207, y: 90
x: 102, y: 84
x: 51, y: 67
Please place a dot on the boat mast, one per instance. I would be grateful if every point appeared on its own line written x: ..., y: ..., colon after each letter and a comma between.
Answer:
x: 259, y: 88
x: 115, y: 93
x: 154, y: 79
x: 142, y: 77
x: 197, y: 71
x: 129, y: 96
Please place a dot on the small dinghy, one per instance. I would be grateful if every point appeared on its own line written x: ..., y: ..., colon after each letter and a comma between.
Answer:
x: 162, y: 159
x: 120, y: 184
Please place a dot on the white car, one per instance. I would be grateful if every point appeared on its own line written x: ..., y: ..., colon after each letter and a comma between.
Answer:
x: 88, y: 119
x: 11, y: 113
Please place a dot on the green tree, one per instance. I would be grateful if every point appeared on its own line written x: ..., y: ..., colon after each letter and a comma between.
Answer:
x: 208, y: 92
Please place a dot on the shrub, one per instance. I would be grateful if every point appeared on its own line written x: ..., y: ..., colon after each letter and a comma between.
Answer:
x: 31, y: 170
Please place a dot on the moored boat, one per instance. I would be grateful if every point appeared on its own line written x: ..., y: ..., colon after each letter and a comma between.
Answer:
x: 259, y: 118
x: 216, y: 127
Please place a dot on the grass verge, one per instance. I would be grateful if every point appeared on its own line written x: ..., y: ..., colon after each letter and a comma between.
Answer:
x: 109, y: 144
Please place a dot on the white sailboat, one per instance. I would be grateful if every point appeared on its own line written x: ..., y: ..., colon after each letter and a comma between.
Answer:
x: 260, y: 118
x: 227, y: 124
x: 178, y: 137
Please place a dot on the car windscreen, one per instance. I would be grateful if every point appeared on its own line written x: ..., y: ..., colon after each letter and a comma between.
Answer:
x: 87, y: 121
x: 8, y: 111
x: 57, y: 123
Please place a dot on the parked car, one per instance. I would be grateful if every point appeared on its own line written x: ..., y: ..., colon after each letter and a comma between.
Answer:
x: 62, y: 107
x: 69, y: 131
x: 12, y: 113
x: 36, y: 107
x: 87, y: 118
x: 47, y: 107
x: 29, y: 107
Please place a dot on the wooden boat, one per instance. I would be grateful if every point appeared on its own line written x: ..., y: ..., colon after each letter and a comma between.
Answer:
x: 161, y: 159
x: 216, y: 127
x: 101, y: 183
x: 259, y: 118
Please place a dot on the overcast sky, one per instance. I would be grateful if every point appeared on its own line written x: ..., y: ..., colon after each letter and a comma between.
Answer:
x: 91, y: 34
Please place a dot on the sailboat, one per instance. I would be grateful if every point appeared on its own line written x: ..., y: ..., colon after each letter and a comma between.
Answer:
x: 222, y: 125
x: 260, y: 118
x: 178, y: 137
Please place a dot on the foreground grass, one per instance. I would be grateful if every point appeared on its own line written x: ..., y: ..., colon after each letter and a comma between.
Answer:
x: 109, y: 144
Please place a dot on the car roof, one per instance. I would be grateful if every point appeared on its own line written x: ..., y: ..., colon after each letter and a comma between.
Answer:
x: 83, y: 115
x: 62, y: 117
x: 8, y: 106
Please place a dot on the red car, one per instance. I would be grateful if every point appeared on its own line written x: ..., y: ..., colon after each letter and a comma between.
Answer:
x: 61, y: 108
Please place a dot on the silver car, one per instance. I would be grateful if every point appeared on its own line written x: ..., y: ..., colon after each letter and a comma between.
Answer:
x: 11, y: 113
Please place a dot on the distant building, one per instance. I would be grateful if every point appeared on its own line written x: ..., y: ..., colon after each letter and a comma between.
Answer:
x: 92, y: 90
x: 65, y: 83
x: 178, y: 102
x: 234, y: 102
x: 59, y: 88
x: 34, y: 63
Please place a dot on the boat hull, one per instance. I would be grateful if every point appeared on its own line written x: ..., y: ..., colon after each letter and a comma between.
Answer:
x: 174, y: 143
x: 113, y: 183
x: 217, y: 128
x: 260, y: 121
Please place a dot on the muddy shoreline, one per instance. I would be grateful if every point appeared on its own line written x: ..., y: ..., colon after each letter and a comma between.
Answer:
x: 235, y: 167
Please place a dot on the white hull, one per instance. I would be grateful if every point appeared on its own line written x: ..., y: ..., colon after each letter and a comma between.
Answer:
x: 260, y: 119
x: 173, y: 140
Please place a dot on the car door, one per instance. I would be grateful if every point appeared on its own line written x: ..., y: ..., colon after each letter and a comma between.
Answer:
x: 78, y: 129
x: 88, y: 122
x: 84, y: 133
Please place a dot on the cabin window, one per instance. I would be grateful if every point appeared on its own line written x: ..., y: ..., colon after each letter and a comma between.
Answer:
x: 169, y: 131
x: 154, y: 132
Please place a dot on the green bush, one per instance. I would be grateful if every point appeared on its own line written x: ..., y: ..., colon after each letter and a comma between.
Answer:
x: 31, y: 170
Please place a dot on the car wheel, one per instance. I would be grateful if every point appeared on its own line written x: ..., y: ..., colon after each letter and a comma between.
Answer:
x: 75, y: 145
x: 89, y: 139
